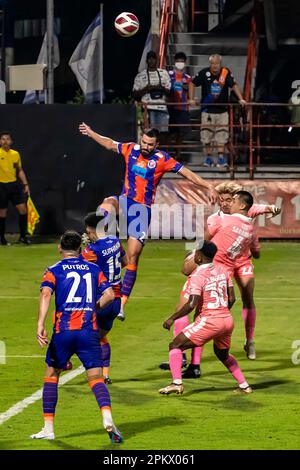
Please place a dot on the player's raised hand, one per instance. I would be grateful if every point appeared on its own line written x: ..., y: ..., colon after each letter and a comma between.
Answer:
x: 42, y: 336
x: 275, y: 210
x: 213, y: 195
x: 85, y: 129
x: 168, y: 323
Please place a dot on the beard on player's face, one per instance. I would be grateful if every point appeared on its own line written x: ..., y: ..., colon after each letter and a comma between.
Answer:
x: 147, y: 148
x: 146, y: 153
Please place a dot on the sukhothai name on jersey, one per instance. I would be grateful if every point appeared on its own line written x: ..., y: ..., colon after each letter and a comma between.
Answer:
x: 241, y: 232
x: 220, y: 277
x: 111, y: 250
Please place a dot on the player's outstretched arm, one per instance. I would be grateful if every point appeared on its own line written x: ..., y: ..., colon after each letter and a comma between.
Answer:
x: 191, y: 176
x: 105, y: 142
x: 45, y: 298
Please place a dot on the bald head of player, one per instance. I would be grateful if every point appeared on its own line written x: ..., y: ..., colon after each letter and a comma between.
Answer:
x: 149, y: 142
x: 205, y: 252
x: 242, y: 201
x: 70, y: 244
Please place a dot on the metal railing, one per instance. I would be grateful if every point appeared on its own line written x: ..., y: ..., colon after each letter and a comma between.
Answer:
x: 168, y: 24
x: 251, y: 130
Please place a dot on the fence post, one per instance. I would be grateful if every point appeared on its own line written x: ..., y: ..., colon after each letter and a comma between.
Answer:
x: 251, y: 142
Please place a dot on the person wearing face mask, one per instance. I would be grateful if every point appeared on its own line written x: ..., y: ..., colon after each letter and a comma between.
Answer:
x: 151, y: 86
x: 215, y: 81
x: 181, y: 94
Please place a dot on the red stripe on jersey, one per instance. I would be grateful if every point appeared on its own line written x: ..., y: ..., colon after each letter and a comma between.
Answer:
x: 49, y: 276
x: 76, y: 320
x: 117, y: 290
x: 89, y: 255
x: 57, y: 321
x: 101, y: 278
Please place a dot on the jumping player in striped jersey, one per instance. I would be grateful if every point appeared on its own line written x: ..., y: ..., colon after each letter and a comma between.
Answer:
x: 145, y: 165
x: 79, y: 286
x: 108, y: 253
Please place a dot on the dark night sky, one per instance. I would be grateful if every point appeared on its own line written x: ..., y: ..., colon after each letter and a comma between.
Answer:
x: 121, y: 55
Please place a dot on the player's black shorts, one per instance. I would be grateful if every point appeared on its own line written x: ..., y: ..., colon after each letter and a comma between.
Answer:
x: 11, y: 192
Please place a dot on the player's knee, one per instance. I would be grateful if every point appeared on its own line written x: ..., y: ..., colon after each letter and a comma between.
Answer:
x: 93, y: 377
x: 173, y: 345
x: 222, y: 354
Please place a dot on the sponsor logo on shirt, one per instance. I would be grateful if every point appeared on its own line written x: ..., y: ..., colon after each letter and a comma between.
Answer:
x: 151, y: 164
x: 142, y: 172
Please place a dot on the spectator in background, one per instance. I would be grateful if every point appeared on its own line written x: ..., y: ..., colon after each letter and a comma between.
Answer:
x: 215, y: 81
x: 181, y: 91
x: 294, y: 109
x: 152, y: 86
x: 12, y: 190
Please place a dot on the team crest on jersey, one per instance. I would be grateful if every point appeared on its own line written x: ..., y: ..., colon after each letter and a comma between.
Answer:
x: 151, y: 164
x: 207, y: 74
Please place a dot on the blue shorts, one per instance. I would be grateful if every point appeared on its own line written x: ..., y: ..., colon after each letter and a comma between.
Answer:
x: 106, y: 316
x: 134, y: 219
x: 84, y: 343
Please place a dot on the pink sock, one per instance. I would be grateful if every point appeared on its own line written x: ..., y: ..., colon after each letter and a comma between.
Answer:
x: 196, y: 356
x: 234, y: 369
x: 249, y: 316
x: 175, y: 361
x: 179, y: 324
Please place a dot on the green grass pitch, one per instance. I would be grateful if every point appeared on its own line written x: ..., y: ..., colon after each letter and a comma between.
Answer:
x: 208, y: 415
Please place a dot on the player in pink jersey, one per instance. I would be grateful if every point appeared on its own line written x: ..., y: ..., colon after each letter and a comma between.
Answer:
x: 193, y: 370
x: 244, y: 270
x: 212, y: 293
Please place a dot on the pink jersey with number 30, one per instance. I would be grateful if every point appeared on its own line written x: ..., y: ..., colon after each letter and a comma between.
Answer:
x: 211, y: 283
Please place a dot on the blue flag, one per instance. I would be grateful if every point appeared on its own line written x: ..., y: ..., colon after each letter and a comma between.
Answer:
x: 87, y: 61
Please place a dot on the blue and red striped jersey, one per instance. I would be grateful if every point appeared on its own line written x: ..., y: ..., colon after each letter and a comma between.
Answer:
x: 107, y: 254
x: 143, y: 175
x: 78, y: 285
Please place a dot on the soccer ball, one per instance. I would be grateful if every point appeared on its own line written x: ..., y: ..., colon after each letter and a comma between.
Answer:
x: 126, y: 24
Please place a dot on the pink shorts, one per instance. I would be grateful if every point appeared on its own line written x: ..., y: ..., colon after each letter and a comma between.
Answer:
x: 244, y: 270
x: 206, y: 328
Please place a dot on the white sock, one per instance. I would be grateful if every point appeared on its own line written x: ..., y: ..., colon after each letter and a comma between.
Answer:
x: 107, y: 418
x: 244, y: 385
x: 177, y: 382
x: 49, y: 426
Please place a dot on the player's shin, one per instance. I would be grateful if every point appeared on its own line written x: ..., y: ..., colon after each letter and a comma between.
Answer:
x: 128, y: 282
x: 50, y: 396
x: 175, y: 360
x: 102, y: 396
x: 249, y: 316
x: 233, y: 367
x: 105, y: 348
x: 196, y: 356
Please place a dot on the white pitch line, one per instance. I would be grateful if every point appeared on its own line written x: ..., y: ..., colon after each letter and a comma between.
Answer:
x: 18, y: 297
x: 21, y: 405
x: 34, y: 356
